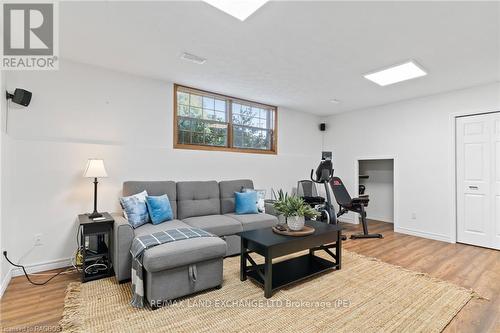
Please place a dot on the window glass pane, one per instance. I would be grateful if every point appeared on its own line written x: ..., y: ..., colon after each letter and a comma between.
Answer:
x: 221, y: 137
x: 220, y: 116
x: 198, y: 126
x: 196, y: 101
x: 208, y: 114
x: 263, y: 113
x: 198, y: 139
x: 259, y: 139
x: 236, y: 108
x: 182, y: 98
x: 238, y: 141
x: 255, y: 122
x: 238, y: 136
x: 249, y: 117
x: 183, y: 137
x: 255, y: 112
x: 237, y: 119
x: 184, y: 124
x: 216, y: 136
x: 208, y: 103
x: 247, y: 110
x: 199, y: 132
x: 183, y: 110
x: 220, y: 105
x: 245, y: 118
x: 195, y: 112
x: 253, y: 138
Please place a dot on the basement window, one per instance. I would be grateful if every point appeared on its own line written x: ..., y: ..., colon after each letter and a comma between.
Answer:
x: 209, y: 121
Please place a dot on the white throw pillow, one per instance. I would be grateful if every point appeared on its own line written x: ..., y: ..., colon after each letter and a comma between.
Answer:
x: 141, y: 197
x: 261, y: 195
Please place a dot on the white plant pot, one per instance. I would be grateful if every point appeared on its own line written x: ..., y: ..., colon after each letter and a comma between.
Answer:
x: 281, y: 219
x: 295, y: 223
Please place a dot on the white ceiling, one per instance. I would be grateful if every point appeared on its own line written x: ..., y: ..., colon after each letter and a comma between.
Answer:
x: 297, y: 55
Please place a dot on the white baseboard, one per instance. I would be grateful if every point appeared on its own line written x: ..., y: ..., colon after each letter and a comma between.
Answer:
x: 424, y: 234
x: 33, y: 268
x: 381, y: 219
x: 346, y: 220
x: 5, y: 282
x: 43, y: 266
x: 355, y: 220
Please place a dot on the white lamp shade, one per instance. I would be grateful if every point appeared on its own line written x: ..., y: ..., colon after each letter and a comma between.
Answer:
x: 95, y: 169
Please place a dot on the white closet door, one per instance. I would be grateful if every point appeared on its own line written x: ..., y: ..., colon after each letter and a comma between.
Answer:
x: 496, y: 179
x: 477, y: 221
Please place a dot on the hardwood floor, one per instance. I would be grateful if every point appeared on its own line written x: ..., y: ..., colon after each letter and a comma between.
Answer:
x: 39, y: 308
x: 467, y: 266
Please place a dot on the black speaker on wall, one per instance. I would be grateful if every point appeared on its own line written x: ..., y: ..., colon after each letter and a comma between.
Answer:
x: 20, y: 96
x: 322, y: 127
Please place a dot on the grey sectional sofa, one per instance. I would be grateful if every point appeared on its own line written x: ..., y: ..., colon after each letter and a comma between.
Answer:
x: 169, y: 267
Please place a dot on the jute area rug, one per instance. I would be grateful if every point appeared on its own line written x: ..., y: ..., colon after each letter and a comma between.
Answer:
x: 366, y: 295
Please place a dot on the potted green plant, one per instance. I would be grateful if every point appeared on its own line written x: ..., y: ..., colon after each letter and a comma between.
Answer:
x: 295, y: 211
x: 279, y: 205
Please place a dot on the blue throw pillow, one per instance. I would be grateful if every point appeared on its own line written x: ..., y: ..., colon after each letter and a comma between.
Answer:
x: 245, y: 202
x: 159, y: 209
x: 135, y: 209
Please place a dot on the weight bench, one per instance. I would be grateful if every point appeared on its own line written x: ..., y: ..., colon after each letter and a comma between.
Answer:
x: 356, y: 205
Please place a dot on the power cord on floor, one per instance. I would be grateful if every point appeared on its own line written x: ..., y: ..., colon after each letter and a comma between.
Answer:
x: 27, y: 275
x: 75, y: 263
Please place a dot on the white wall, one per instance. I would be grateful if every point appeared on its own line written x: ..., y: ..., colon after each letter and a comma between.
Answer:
x: 380, y: 188
x: 420, y: 134
x: 81, y: 112
x: 3, y: 270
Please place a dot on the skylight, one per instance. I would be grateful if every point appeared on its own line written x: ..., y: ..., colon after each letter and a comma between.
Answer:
x: 241, y: 9
x: 408, y: 70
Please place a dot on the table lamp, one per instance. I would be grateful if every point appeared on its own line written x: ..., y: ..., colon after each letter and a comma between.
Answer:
x: 95, y: 169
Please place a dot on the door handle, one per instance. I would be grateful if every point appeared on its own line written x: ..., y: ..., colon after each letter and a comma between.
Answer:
x: 474, y: 187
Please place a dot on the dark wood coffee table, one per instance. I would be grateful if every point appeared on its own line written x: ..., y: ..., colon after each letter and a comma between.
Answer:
x: 271, y: 245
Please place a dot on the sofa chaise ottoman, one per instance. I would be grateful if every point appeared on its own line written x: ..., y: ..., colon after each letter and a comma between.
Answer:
x: 176, y: 269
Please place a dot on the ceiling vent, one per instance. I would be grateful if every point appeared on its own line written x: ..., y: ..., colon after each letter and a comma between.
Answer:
x: 193, y: 58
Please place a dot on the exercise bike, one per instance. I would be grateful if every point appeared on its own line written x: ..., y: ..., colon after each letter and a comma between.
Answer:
x: 324, y: 175
x: 306, y: 189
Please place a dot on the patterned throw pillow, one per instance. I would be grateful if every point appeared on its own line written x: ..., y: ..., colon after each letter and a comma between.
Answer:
x: 159, y: 209
x: 135, y: 209
x: 261, y: 195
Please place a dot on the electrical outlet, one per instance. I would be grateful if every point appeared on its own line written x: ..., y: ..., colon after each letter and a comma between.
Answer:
x: 38, y: 240
x: 413, y: 216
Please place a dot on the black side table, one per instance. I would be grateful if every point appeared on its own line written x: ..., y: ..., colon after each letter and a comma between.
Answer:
x: 95, y: 245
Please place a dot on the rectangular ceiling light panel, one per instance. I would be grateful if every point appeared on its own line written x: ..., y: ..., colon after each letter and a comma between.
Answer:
x: 408, y: 70
x: 239, y: 9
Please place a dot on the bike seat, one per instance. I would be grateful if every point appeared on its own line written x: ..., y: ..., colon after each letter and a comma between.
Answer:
x: 314, y: 200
